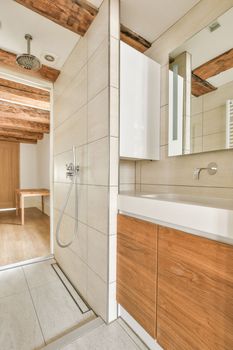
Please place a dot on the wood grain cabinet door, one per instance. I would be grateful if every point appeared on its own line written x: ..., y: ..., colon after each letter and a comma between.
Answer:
x: 137, y: 270
x: 9, y: 173
x: 195, y: 292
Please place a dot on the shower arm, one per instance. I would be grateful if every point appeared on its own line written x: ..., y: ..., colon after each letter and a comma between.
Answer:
x: 28, y: 37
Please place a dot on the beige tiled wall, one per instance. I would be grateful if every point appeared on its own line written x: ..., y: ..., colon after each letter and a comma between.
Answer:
x: 127, y: 175
x: 176, y: 173
x: 208, y: 122
x: 86, y: 115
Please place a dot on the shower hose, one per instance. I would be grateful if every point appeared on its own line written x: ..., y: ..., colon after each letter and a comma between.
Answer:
x: 72, y: 172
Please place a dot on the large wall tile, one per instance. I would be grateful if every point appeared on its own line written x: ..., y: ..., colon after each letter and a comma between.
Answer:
x: 113, y: 193
x: 114, y: 62
x: 114, y: 19
x: 72, y: 66
x: 97, y: 294
x: 98, y: 70
x: 114, y: 156
x: 97, y: 212
x: 98, y: 253
x: 214, y: 121
x: 98, y: 116
x: 98, y: 30
x: 114, y: 112
x: 98, y: 162
x: 214, y: 142
x: 72, y: 132
x: 179, y: 170
x: 197, y: 125
x: 79, y: 194
x: 74, y: 268
x: 60, y: 162
x: 73, y: 98
x: 127, y: 171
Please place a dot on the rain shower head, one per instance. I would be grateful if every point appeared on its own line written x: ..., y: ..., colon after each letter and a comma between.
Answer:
x: 26, y: 60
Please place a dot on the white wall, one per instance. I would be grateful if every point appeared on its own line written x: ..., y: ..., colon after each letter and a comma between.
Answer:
x: 43, y: 164
x: 28, y: 166
x: 34, y: 170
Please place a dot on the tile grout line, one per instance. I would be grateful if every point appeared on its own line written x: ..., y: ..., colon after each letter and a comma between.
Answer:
x: 34, y: 307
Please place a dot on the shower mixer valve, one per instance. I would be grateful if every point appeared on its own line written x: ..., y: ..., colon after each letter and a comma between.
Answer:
x: 71, y: 170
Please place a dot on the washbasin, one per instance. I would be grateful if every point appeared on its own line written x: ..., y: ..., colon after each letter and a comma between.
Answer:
x: 191, y: 199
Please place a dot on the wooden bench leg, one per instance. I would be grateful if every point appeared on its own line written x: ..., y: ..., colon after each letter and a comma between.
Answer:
x: 42, y: 203
x: 22, y: 210
x: 16, y: 203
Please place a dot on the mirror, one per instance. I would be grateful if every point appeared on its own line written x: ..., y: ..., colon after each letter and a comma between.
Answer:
x: 201, y: 90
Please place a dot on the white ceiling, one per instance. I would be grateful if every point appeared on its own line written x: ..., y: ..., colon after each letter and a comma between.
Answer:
x: 206, y: 45
x: 48, y: 37
x: 150, y: 18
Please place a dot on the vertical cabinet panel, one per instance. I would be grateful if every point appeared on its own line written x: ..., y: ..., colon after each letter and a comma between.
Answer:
x: 195, y: 292
x: 137, y: 270
x: 139, y: 105
x: 9, y: 173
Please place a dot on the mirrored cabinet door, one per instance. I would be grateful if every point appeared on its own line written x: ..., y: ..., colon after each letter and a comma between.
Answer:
x: 201, y: 90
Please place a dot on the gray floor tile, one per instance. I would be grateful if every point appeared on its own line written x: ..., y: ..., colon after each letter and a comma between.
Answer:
x: 19, y: 326
x: 56, y: 310
x: 40, y: 274
x: 12, y: 281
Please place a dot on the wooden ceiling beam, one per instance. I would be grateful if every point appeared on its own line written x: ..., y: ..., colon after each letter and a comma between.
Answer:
x: 133, y: 39
x: 215, y: 66
x: 201, y: 87
x: 8, y: 60
x: 25, y: 94
x: 17, y: 139
x: 75, y: 15
x: 20, y: 134
x: 24, y: 125
x: 16, y: 111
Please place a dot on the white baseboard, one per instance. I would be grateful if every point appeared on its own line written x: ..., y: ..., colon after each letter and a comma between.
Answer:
x: 141, y: 333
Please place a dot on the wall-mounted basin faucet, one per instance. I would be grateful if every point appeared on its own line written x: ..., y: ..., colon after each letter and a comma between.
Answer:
x: 212, y: 169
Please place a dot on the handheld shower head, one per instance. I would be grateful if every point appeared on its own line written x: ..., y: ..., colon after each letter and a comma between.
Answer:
x: 26, y: 60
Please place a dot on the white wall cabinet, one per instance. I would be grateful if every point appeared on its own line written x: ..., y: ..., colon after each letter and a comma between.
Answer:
x: 139, y: 105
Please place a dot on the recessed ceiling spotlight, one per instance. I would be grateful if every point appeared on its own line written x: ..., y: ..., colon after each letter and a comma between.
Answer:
x: 49, y: 58
x: 214, y: 26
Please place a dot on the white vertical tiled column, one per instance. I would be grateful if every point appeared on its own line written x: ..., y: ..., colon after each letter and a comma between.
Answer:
x: 114, y: 153
x: 86, y: 115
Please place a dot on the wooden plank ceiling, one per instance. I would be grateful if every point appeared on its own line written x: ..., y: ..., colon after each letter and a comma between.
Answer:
x: 201, y: 87
x: 133, y: 39
x: 22, y: 118
x: 8, y: 60
x: 77, y: 16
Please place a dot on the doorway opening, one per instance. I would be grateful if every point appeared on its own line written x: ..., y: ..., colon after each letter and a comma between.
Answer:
x: 25, y: 176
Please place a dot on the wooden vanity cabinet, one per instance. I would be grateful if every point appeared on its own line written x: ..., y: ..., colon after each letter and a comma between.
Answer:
x: 195, y: 292
x: 137, y: 270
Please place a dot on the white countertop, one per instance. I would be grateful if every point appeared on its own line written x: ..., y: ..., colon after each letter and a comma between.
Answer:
x: 207, y: 217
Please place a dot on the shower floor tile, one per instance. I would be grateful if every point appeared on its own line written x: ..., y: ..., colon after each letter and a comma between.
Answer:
x: 56, y: 310
x: 12, y: 282
x: 20, y: 329
x: 107, y: 337
x: 35, y: 307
